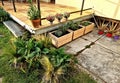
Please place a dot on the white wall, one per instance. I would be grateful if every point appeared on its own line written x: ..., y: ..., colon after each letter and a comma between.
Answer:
x: 46, y: 0
x: 107, y: 8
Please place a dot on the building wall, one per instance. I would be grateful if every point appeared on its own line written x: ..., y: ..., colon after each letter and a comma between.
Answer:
x: 46, y: 0
x: 106, y: 8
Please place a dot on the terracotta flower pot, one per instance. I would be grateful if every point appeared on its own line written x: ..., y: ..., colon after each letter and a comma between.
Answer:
x: 36, y: 23
x: 109, y: 35
x: 100, y: 32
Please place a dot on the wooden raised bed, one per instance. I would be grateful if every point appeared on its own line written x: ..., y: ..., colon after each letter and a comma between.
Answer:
x: 89, y: 27
x: 59, y: 41
x: 79, y: 32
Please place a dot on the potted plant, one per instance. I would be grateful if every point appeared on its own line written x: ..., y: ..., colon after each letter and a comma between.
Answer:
x: 61, y: 36
x: 59, y: 16
x: 88, y: 26
x: 116, y: 35
x: 33, y: 14
x: 66, y: 15
x: 101, y: 26
x: 76, y: 28
x: 112, y: 27
x: 50, y: 18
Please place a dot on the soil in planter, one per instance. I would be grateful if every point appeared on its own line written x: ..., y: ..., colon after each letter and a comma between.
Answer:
x: 61, y: 34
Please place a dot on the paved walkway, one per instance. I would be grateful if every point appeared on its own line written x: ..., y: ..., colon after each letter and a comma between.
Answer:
x: 102, y: 58
x: 0, y: 80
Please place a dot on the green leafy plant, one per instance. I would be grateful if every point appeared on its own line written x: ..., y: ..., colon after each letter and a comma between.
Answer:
x: 63, y: 28
x: 61, y: 31
x: 33, y: 12
x: 44, y: 40
x: 85, y: 23
x: 55, y: 65
x: 3, y: 15
x: 52, y: 63
x: 26, y: 53
x: 72, y: 25
x: 58, y: 33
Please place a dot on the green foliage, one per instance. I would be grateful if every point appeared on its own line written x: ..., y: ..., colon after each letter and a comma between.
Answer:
x: 26, y: 52
x: 58, y: 33
x: 33, y: 12
x: 35, y: 61
x: 80, y: 78
x: 55, y: 65
x: 5, y: 36
x: 61, y: 31
x: 12, y: 75
x: 72, y: 25
x: 85, y: 23
x: 3, y: 15
x: 59, y: 58
x: 74, y: 75
x: 63, y: 28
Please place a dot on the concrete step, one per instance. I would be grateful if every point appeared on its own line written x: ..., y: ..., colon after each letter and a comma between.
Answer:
x: 15, y: 28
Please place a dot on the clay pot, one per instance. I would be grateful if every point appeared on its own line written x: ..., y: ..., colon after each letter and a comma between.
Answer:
x: 100, y: 32
x: 109, y: 35
x: 36, y: 23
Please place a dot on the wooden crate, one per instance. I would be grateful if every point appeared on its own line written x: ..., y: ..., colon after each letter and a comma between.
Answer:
x: 89, y: 28
x: 78, y: 33
x: 59, y: 41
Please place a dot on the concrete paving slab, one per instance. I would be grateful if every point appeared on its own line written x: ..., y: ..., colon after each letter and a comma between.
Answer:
x: 109, y: 43
x: 0, y: 80
x: 77, y: 45
x: 92, y: 36
x: 102, y: 62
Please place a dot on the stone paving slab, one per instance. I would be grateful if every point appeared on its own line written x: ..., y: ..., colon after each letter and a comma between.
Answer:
x: 110, y: 43
x: 77, y: 45
x: 0, y: 80
x: 102, y: 62
x: 92, y: 36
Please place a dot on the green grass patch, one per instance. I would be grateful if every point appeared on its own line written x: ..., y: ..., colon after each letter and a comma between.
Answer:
x: 5, y: 36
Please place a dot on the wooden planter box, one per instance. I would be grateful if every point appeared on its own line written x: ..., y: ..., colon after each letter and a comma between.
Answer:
x: 78, y: 33
x: 59, y: 41
x: 89, y: 27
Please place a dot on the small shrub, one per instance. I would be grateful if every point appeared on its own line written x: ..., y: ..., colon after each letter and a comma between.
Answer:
x: 3, y: 15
